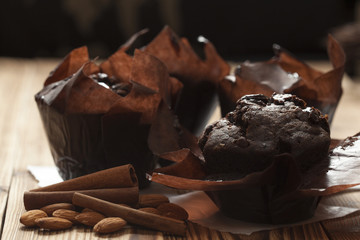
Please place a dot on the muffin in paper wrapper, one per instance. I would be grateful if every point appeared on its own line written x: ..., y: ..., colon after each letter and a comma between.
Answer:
x: 284, y: 73
x: 93, y: 125
x: 199, y: 77
x: 279, y: 194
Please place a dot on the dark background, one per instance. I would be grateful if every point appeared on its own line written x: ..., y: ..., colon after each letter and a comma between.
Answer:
x: 240, y: 29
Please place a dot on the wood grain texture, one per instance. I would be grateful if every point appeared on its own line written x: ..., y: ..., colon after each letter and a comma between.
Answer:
x: 21, y: 139
x: 23, y: 143
x: 346, y: 227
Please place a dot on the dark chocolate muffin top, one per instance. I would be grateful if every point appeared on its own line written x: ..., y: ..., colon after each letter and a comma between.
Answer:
x: 261, y: 127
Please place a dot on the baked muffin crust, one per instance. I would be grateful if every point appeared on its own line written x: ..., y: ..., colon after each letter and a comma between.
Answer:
x: 261, y: 127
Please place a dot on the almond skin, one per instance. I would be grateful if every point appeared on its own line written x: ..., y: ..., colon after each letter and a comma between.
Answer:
x: 49, y: 209
x: 53, y: 223
x: 173, y: 210
x: 89, y: 218
x: 152, y: 200
x: 66, y: 214
x: 87, y: 210
x: 29, y: 217
x: 109, y: 225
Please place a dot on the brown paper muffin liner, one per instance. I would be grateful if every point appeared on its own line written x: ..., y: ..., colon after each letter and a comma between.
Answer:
x: 199, y: 77
x: 90, y: 127
x: 284, y: 73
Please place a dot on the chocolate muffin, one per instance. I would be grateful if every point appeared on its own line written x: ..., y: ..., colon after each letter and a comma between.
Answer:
x: 260, y: 128
x: 116, y: 113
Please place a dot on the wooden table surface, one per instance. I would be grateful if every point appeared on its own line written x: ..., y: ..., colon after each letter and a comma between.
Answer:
x: 23, y: 143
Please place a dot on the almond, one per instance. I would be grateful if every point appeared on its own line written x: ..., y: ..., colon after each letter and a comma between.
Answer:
x: 173, y: 210
x: 87, y: 210
x: 150, y: 210
x: 109, y: 225
x: 66, y: 214
x: 53, y: 223
x: 89, y: 218
x: 49, y: 209
x: 152, y: 200
x: 29, y: 217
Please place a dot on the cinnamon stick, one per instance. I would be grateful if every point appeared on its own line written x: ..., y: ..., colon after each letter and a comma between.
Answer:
x: 37, y: 200
x: 131, y: 215
x: 117, y: 177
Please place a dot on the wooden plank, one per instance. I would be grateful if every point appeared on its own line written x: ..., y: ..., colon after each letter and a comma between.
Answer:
x: 8, y: 139
x: 345, y: 227
x: 15, y: 207
x: 22, y: 139
x: 3, y: 201
x: 307, y: 231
